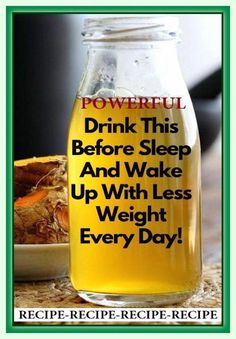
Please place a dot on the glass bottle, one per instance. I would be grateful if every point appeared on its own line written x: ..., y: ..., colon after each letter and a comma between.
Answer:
x: 147, y: 251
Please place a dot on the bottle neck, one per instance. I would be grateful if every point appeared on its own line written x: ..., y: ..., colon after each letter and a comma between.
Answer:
x: 132, y: 69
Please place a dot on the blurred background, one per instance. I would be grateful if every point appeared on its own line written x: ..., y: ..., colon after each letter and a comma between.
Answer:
x: 49, y: 58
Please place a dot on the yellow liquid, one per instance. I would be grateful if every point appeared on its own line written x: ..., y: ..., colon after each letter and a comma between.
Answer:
x: 140, y: 268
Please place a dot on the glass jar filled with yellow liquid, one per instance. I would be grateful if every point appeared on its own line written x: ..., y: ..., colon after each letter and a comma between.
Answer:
x: 134, y: 168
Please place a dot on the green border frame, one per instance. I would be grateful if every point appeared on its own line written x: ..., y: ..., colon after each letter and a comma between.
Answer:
x: 225, y: 327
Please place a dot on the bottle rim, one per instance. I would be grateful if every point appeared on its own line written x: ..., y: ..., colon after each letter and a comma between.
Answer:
x: 123, y: 28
